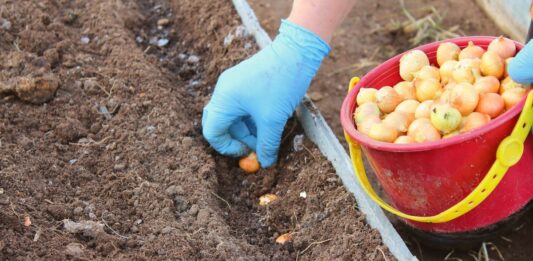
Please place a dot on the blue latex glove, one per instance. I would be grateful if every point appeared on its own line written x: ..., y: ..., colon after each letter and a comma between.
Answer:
x: 521, y: 67
x: 253, y: 100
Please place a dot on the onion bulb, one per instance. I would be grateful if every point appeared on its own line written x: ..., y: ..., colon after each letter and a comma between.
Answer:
x: 268, y: 199
x: 428, y: 72
x: 416, y: 124
x: 405, y: 89
x: 284, y: 238
x: 447, y: 52
x: 491, y: 64
x: 506, y: 65
x: 474, y: 121
x: 513, y: 96
x: 427, y: 89
x: 451, y: 134
x: 471, y: 51
x: 424, y: 109
x: 383, y: 132
x: 412, y: 62
x: 425, y: 133
x: 249, y: 164
x: 487, y: 84
x: 404, y: 140
x: 504, y: 47
x: 445, y: 118
x: 463, y: 97
x: 408, y: 106
x: 366, y: 110
x: 398, y: 120
x: 508, y: 84
x: 446, y: 71
x: 366, y: 95
x: 387, y: 99
x: 364, y: 127
x: 466, y: 71
x: 491, y: 104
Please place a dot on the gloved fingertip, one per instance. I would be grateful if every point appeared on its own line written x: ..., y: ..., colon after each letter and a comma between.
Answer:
x: 267, y: 161
x: 519, y: 72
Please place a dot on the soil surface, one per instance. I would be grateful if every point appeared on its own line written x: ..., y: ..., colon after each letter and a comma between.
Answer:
x: 371, y: 35
x: 102, y: 154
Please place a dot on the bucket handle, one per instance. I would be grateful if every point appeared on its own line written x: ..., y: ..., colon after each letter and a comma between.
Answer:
x: 508, y: 154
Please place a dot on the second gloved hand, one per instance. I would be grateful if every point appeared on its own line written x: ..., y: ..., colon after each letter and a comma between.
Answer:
x: 521, y: 67
x: 253, y: 100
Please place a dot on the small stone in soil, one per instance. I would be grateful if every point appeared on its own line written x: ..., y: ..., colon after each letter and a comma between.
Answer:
x: 316, y: 96
x: 298, y: 142
x: 134, y: 229
x: 193, y: 59
x: 163, y: 21
x: 174, y: 190
x: 186, y: 142
x: 162, y: 42
x: 166, y: 230
x: 5, y: 24
x: 85, y: 40
x: 119, y: 167
x: 77, y: 211
x: 74, y: 249
x: 139, y: 39
x: 1, y: 191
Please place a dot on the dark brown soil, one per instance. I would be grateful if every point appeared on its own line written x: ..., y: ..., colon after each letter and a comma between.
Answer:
x: 113, y: 165
x: 366, y: 36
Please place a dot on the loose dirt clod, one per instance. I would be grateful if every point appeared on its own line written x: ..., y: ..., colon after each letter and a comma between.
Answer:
x: 37, y: 90
x: 87, y: 228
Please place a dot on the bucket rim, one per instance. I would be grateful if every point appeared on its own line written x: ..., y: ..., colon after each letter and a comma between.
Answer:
x: 349, y: 104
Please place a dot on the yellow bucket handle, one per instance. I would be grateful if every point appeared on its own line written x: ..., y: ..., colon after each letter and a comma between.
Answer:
x: 508, y: 154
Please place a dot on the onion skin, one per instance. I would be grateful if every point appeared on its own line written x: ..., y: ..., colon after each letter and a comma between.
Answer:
x: 366, y: 110
x: 463, y: 97
x: 383, y: 132
x: 471, y: 51
x: 416, y: 124
x: 408, y: 106
x: 446, y: 71
x: 467, y: 70
x: 387, y: 99
x: 492, y: 64
x: 398, y: 120
x: 405, y: 140
x: 427, y: 89
x: 487, y: 84
x: 424, y: 109
x: 491, y: 104
x: 506, y: 65
x: 366, y: 95
x: 412, y: 62
x: 445, y: 118
x: 428, y: 72
x: 447, y: 52
x: 513, y: 96
x: 405, y: 89
x: 502, y: 46
x: 249, y: 164
x: 426, y: 133
x: 474, y: 121
x: 508, y: 84
x: 364, y: 127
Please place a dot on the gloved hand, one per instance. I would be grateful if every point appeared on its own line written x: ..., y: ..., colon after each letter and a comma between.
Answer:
x: 253, y: 100
x: 521, y: 67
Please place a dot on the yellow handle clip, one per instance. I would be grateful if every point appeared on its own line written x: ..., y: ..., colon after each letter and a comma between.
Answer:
x: 508, y: 154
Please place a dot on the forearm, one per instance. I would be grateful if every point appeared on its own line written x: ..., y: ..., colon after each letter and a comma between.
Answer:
x: 321, y: 17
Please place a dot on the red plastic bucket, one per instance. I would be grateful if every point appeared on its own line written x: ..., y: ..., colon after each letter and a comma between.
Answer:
x: 428, y: 178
